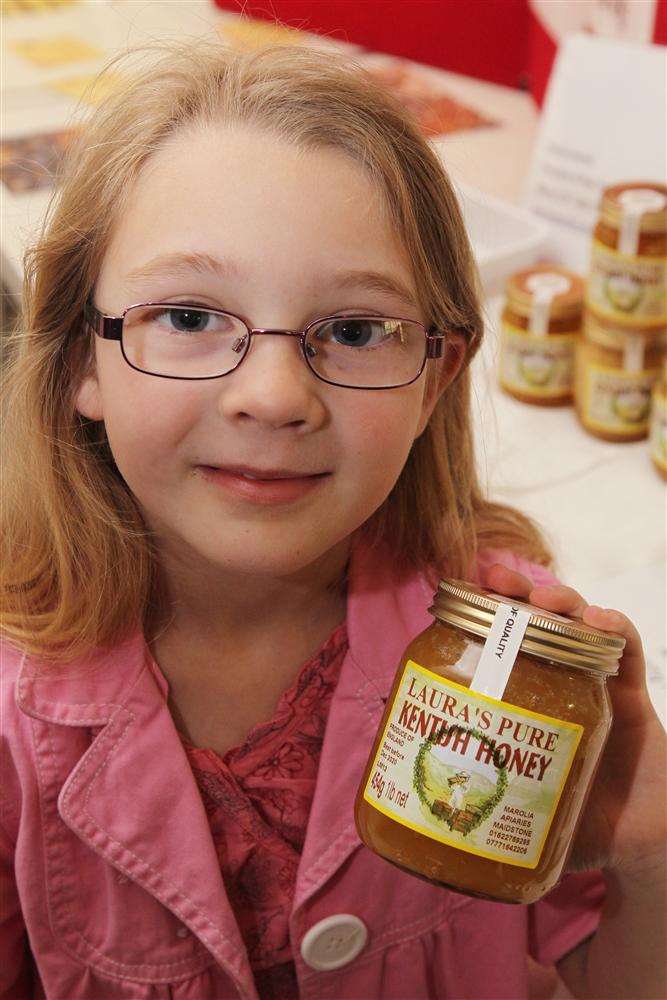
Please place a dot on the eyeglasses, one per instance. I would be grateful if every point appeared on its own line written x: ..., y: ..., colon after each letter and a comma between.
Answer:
x: 179, y: 340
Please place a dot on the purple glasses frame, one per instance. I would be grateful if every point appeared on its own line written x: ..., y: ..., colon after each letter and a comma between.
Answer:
x: 111, y: 328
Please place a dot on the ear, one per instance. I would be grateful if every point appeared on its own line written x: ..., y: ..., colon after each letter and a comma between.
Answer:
x: 88, y: 400
x: 447, y: 369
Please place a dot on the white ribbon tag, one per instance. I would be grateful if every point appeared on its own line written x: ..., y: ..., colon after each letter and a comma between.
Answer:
x: 633, y: 353
x: 500, y: 651
x: 634, y: 203
x: 544, y: 288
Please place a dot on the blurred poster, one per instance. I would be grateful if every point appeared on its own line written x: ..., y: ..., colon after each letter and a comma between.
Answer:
x: 436, y: 111
x: 14, y: 8
x: 29, y: 163
x: 58, y: 50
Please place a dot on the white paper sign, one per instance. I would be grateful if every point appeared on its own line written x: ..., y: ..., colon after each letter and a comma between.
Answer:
x: 604, y: 121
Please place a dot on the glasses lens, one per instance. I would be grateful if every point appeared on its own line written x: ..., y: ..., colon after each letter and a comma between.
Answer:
x: 366, y: 351
x: 183, y: 341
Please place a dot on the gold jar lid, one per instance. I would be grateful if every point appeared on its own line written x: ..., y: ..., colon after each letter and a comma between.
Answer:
x: 632, y: 196
x: 564, y: 291
x: 548, y: 635
x: 609, y: 333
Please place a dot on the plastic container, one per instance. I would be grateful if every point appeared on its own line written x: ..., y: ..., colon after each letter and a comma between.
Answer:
x: 504, y: 237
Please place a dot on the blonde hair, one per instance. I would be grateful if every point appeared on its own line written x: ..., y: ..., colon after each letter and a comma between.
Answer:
x: 79, y: 566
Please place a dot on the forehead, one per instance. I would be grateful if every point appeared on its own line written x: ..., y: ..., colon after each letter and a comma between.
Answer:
x: 243, y: 195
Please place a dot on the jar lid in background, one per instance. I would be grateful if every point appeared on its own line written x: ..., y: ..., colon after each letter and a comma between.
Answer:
x: 564, y: 288
x: 614, y: 335
x: 647, y: 199
x: 548, y: 635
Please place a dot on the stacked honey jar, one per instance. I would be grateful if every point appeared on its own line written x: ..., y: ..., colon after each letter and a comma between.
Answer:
x: 599, y: 343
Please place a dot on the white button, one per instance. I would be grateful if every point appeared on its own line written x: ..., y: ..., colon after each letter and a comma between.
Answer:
x: 333, y: 942
x: 182, y: 932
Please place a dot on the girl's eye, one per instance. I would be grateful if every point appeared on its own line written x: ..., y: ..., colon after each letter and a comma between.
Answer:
x: 351, y: 332
x: 190, y: 320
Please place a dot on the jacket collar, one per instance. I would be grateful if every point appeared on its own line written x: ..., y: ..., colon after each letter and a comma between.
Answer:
x: 383, y: 613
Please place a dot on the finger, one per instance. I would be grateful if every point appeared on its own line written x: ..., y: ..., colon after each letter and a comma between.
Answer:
x: 551, y: 597
x: 507, y: 581
x: 633, y: 664
x: 560, y: 599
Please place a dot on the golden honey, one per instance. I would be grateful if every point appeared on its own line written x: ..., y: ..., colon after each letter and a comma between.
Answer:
x: 539, y: 328
x: 479, y: 772
x: 627, y: 280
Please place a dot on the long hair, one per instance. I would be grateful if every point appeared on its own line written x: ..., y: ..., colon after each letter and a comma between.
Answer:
x: 79, y: 565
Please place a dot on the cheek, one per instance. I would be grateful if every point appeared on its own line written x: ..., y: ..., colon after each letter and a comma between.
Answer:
x: 145, y: 425
x: 379, y: 435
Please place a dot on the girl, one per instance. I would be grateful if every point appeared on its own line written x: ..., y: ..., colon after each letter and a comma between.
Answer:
x: 220, y: 536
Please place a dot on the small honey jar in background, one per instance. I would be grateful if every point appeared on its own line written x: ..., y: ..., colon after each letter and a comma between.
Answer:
x: 615, y: 370
x: 627, y: 282
x: 658, y: 429
x: 540, y: 325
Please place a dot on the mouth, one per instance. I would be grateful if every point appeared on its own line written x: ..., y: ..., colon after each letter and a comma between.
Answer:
x: 256, y: 486
x: 264, y: 475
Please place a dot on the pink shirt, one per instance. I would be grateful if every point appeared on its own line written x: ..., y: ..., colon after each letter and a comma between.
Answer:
x: 257, y: 798
x: 110, y: 883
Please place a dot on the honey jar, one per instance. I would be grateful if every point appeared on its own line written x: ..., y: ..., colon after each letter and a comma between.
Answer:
x: 539, y: 327
x: 628, y: 270
x: 658, y: 431
x: 488, y: 745
x: 615, y: 370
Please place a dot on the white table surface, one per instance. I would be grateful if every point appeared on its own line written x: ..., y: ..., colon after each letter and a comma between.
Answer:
x: 602, y: 505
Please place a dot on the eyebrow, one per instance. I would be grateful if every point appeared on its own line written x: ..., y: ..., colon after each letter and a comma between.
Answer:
x: 181, y: 265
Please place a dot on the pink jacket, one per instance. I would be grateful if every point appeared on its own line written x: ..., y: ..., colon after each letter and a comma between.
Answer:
x: 110, y: 882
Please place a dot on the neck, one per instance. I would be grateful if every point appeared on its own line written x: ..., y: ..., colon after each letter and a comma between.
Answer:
x: 201, y: 600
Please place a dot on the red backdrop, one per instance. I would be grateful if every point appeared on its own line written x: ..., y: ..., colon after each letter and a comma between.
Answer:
x: 497, y: 40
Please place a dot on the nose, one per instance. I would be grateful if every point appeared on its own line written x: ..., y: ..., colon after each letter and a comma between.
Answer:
x: 273, y: 385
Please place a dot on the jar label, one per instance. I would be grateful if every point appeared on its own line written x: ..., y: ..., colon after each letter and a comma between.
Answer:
x: 470, y: 771
x: 615, y: 400
x: 627, y: 289
x: 659, y: 431
x: 535, y: 365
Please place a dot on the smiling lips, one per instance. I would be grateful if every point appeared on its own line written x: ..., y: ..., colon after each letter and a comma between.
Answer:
x: 265, y: 475
x: 264, y: 486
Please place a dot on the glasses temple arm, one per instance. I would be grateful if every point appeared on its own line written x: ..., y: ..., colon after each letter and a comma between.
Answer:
x: 109, y: 327
x: 435, y: 339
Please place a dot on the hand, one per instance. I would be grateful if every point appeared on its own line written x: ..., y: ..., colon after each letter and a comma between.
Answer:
x: 624, y: 825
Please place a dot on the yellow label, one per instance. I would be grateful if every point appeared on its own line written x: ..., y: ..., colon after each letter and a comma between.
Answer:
x: 470, y: 771
x: 616, y: 400
x: 630, y: 290
x: 537, y: 366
